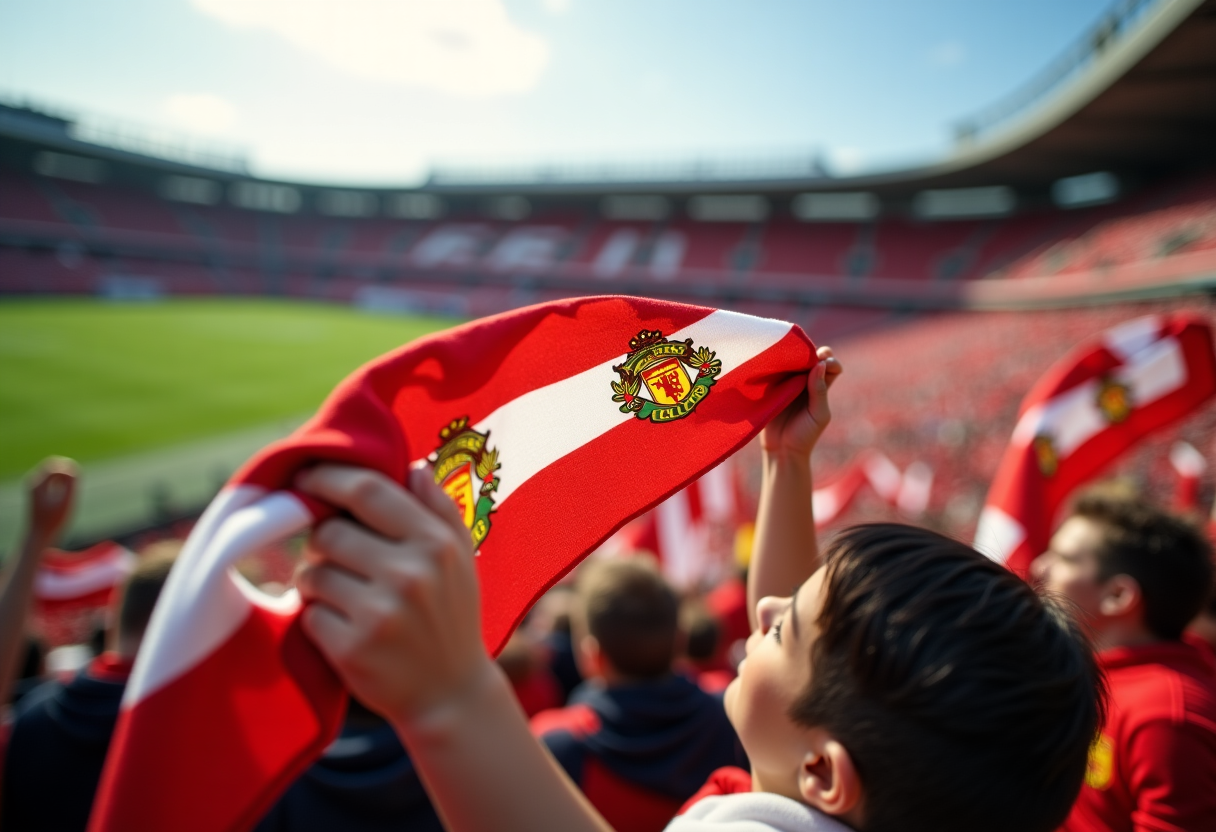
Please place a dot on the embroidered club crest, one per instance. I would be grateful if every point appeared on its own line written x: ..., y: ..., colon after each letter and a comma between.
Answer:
x: 1114, y: 400
x: 1045, y: 453
x: 663, y: 380
x: 464, y: 468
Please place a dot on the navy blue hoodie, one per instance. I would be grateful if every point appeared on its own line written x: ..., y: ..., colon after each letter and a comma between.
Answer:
x: 364, y: 782
x: 664, y: 737
x: 56, y: 751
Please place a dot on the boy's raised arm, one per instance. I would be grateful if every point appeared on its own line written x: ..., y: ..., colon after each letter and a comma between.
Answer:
x: 393, y: 604
x: 786, y: 550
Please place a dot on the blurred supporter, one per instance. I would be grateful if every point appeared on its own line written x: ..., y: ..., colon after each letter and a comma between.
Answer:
x: 33, y: 666
x: 364, y: 782
x: 52, y: 487
x: 526, y: 664
x: 728, y: 603
x: 550, y: 621
x: 1202, y: 630
x: 702, y: 634
x: 638, y: 739
x: 61, y: 732
x: 1138, y: 575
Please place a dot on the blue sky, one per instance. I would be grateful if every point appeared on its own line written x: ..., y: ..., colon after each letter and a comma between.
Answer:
x: 374, y: 91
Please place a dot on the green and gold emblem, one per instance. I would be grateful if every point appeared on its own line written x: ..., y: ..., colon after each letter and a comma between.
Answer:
x: 1045, y: 454
x: 663, y: 380
x: 1114, y: 400
x: 464, y: 468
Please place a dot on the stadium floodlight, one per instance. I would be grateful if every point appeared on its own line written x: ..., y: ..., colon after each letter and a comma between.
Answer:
x: 728, y: 208
x: 509, y: 208
x: 645, y: 208
x: 415, y: 206
x: 65, y: 166
x: 347, y: 203
x: 964, y: 203
x: 843, y: 206
x: 193, y: 189
x: 1087, y: 189
x: 263, y: 196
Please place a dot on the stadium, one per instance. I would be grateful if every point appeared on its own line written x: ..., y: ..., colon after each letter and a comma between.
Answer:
x: 1025, y: 316
x: 1083, y: 198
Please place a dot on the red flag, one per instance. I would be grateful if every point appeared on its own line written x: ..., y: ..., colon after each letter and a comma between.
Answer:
x: 906, y: 490
x: 691, y: 533
x: 832, y: 500
x: 71, y: 588
x: 68, y: 581
x: 550, y: 427
x: 1097, y: 402
x: 1190, y: 465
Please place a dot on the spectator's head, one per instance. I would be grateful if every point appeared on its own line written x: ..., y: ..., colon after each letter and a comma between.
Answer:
x: 702, y: 631
x: 138, y: 593
x: 913, y: 683
x: 624, y: 621
x: 1137, y: 573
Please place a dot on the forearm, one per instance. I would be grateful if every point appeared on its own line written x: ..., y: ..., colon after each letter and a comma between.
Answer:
x: 786, y: 549
x: 16, y: 595
x: 485, y: 770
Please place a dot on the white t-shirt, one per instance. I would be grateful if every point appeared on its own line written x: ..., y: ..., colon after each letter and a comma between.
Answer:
x: 753, y: 812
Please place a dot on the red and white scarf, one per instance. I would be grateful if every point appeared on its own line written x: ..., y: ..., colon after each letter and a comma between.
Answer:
x: 550, y: 427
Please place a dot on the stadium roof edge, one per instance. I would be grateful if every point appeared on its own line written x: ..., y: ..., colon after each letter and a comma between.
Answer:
x: 52, y: 132
x: 1161, y: 58
x: 971, y: 164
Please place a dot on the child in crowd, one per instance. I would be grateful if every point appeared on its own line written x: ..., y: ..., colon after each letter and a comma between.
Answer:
x: 638, y: 739
x: 909, y: 683
x: 1138, y: 575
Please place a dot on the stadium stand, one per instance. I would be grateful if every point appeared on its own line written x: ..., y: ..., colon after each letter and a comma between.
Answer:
x: 1016, y: 200
x: 707, y: 259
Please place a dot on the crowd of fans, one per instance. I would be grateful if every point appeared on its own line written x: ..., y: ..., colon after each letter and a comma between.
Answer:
x: 908, y: 683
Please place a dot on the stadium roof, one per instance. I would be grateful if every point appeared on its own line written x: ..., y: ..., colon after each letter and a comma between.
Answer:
x: 1136, y: 95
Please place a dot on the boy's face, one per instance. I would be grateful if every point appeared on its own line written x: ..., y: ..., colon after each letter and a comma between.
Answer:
x: 1070, y: 566
x: 775, y: 672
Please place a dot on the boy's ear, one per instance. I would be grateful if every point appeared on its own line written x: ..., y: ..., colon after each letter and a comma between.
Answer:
x: 1121, y: 594
x: 828, y: 780
x: 589, y: 657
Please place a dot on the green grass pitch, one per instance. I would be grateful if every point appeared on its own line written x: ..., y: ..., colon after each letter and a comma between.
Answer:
x: 95, y: 380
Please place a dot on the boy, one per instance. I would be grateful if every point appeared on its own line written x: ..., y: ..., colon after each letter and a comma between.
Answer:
x: 638, y: 739
x: 1139, y: 575
x: 949, y: 698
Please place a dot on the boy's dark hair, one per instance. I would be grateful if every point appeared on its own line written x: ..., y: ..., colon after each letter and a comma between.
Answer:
x: 965, y: 700
x: 1169, y: 557
x: 632, y: 612
x: 142, y: 587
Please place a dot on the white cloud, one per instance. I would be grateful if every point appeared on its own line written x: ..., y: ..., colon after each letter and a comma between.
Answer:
x: 200, y: 112
x: 949, y: 53
x: 557, y: 6
x: 463, y: 47
x: 846, y: 160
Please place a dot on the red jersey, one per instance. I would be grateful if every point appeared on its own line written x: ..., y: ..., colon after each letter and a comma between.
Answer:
x: 1153, y: 766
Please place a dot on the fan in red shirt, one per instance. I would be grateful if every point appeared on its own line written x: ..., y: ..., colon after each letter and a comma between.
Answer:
x: 1139, y: 575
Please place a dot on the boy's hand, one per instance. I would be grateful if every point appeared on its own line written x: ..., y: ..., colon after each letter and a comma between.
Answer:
x: 392, y: 593
x: 795, y: 430
x: 52, y: 488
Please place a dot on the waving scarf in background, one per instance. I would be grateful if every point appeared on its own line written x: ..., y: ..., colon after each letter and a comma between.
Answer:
x: 1089, y: 408
x: 549, y: 426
